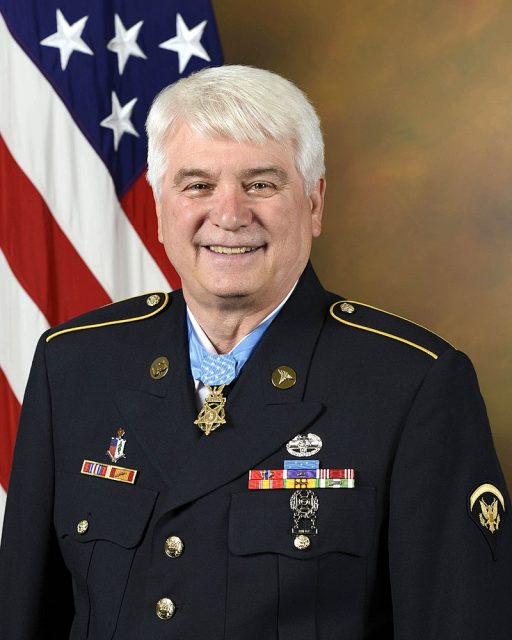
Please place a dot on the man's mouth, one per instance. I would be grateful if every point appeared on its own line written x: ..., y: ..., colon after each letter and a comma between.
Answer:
x: 231, y: 250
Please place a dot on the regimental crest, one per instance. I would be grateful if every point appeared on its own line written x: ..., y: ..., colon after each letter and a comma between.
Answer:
x: 487, y: 510
x: 213, y: 414
x: 304, y: 445
x: 117, y: 444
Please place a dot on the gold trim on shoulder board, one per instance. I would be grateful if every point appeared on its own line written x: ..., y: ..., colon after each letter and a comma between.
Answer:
x: 377, y: 331
x: 112, y: 322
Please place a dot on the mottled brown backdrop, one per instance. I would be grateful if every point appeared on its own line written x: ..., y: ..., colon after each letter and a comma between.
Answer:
x: 415, y: 99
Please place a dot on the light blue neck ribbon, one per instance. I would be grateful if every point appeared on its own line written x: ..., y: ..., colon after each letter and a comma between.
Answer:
x: 218, y: 369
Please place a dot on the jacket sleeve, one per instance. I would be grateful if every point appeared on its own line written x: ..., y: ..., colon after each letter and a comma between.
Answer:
x: 35, y: 589
x: 450, y: 564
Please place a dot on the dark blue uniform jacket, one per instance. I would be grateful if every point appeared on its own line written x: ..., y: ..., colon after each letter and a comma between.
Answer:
x: 420, y: 549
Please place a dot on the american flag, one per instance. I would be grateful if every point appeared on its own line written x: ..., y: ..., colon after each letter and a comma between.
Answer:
x: 77, y: 220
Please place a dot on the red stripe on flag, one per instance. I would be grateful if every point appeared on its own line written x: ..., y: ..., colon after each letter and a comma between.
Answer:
x: 9, y: 416
x: 139, y: 206
x: 39, y: 253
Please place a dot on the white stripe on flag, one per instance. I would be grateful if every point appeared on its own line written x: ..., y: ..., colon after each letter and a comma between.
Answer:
x: 3, y: 497
x: 36, y: 124
x: 22, y: 324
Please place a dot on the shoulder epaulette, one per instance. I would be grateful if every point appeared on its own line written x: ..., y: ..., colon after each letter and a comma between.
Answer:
x: 131, y: 310
x: 367, y: 318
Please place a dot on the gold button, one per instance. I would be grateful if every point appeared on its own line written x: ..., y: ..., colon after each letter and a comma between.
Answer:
x: 284, y: 377
x: 159, y: 368
x: 82, y: 527
x: 174, y: 547
x: 302, y: 542
x: 153, y: 300
x: 346, y: 307
x: 165, y: 608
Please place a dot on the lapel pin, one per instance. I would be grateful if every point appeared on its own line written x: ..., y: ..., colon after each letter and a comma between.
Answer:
x: 284, y: 377
x: 159, y: 368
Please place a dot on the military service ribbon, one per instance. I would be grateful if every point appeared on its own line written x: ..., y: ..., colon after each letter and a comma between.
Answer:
x: 301, y: 479
x: 108, y: 471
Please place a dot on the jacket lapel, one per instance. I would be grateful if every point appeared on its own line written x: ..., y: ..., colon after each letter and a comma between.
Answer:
x: 260, y: 417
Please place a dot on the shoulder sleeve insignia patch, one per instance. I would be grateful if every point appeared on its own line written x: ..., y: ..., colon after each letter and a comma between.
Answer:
x: 487, y: 510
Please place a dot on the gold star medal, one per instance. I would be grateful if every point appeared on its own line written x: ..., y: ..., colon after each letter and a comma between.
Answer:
x: 212, y: 415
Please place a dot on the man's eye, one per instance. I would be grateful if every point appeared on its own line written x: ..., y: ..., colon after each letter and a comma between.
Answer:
x: 260, y: 186
x: 198, y: 186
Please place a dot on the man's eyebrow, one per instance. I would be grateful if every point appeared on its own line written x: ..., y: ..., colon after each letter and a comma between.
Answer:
x: 191, y: 172
x: 279, y: 173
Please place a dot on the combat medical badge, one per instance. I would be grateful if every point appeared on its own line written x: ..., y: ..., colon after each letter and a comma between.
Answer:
x: 304, y: 445
x: 487, y: 510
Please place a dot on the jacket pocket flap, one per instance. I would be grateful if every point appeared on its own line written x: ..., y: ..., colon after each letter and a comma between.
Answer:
x: 262, y: 521
x: 108, y: 510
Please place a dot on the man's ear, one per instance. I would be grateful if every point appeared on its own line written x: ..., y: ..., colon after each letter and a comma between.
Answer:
x: 316, y: 198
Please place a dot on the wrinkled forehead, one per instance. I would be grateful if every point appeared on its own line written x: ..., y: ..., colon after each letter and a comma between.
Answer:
x: 185, y: 138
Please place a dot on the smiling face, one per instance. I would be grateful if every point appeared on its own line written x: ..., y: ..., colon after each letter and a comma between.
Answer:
x: 235, y: 221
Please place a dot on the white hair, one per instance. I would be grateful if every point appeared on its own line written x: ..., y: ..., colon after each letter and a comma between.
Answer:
x: 242, y: 103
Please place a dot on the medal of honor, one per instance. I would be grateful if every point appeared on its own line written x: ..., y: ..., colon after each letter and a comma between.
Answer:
x: 213, y: 414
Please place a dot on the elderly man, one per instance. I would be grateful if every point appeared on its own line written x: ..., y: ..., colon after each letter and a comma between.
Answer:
x: 250, y: 458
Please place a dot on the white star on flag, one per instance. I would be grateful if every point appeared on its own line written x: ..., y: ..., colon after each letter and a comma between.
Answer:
x: 119, y: 120
x: 187, y: 42
x: 67, y: 38
x: 125, y: 43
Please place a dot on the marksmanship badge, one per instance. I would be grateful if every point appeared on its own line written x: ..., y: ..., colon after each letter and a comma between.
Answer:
x: 304, y: 506
x: 304, y: 445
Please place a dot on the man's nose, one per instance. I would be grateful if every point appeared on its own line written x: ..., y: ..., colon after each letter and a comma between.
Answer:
x: 231, y: 209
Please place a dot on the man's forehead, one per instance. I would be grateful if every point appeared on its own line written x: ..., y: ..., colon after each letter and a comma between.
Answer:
x: 249, y: 173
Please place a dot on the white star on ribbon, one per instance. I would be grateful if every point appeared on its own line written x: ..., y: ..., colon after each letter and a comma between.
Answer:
x: 119, y: 120
x: 125, y: 43
x: 187, y: 42
x: 67, y: 38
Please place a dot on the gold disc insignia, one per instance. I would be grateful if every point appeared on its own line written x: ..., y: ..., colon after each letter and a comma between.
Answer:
x: 284, y: 377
